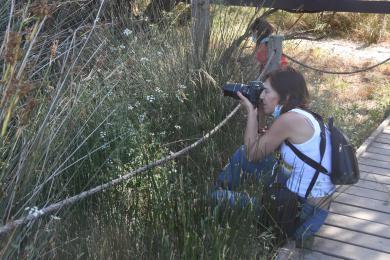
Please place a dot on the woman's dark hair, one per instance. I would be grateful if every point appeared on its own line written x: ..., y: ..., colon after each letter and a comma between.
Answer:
x: 291, y: 88
x: 262, y: 28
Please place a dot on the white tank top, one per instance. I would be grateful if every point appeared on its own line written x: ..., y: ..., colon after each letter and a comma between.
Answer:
x: 300, y: 173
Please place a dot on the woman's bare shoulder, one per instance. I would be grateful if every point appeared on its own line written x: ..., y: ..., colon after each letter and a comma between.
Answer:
x: 298, y: 125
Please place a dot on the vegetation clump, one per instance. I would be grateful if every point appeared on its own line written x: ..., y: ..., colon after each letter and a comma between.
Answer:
x: 88, y: 96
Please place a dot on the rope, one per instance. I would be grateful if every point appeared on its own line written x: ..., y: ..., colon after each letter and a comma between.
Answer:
x: 335, y: 72
x: 57, y: 206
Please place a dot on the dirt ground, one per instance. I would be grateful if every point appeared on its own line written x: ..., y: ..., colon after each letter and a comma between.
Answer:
x: 362, y: 100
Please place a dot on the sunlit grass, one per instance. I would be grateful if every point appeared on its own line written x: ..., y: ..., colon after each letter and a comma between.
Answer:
x: 107, y: 99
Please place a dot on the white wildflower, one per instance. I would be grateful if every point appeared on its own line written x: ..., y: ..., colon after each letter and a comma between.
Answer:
x: 180, y: 97
x: 181, y: 86
x: 177, y: 127
x: 137, y: 104
x: 148, y: 80
x: 150, y: 98
x: 127, y: 32
x: 141, y: 118
x: 122, y: 46
x: 158, y: 90
x: 130, y: 107
x: 144, y: 59
x: 103, y: 134
x: 159, y: 53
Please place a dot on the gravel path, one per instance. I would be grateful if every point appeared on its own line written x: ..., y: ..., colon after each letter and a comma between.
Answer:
x: 348, y: 49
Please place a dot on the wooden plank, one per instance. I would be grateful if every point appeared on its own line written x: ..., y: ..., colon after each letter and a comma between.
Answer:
x: 367, y: 203
x: 378, y: 150
x: 385, y: 180
x: 375, y: 170
x: 356, y: 238
x: 367, y: 143
x: 359, y: 225
x: 370, y: 184
x: 375, y: 156
x: 382, y: 140
x: 385, y: 136
x: 356, y: 212
x: 375, y: 163
x: 380, y: 145
x: 308, y: 254
x: 345, y: 250
x: 367, y: 193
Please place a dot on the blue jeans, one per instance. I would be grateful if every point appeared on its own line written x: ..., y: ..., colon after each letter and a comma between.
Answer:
x: 239, y: 169
x: 311, y: 218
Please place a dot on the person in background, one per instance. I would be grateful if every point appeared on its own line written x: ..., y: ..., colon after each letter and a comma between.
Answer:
x: 261, y: 30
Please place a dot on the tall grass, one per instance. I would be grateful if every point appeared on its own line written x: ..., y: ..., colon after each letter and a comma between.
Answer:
x: 93, y: 102
x: 86, y: 100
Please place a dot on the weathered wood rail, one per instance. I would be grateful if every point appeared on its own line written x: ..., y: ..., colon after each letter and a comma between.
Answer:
x: 358, y: 226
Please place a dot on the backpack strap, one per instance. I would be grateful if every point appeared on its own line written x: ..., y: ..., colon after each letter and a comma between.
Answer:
x: 317, y: 166
x: 307, y: 159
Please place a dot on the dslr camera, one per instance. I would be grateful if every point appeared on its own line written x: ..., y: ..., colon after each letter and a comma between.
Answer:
x: 251, y: 91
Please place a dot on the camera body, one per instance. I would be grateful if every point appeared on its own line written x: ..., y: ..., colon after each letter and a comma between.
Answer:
x: 251, y: 91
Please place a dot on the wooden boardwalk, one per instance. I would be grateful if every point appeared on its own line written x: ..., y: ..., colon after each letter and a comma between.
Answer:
x: 358, y: 226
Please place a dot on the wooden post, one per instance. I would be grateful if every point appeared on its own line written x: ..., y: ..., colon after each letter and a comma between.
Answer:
x: 275, y: 45
x: 200, y: 12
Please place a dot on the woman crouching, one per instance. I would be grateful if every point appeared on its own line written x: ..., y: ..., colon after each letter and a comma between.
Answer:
x: 285, y: 97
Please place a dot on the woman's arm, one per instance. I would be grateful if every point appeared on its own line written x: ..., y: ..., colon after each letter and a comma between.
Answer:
x: 251, y: 130
x: 260, y: 146
x: 271, y: 140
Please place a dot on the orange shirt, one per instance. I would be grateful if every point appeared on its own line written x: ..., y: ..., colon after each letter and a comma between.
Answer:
x: 262, y: 56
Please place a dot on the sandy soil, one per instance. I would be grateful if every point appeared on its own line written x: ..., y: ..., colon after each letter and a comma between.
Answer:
x: 348, y: 49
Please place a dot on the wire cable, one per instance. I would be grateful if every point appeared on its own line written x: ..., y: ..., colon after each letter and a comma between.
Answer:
x: 336, y: 72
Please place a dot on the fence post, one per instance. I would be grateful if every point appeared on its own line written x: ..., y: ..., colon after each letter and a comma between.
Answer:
x: 274, y: 45
x: 200, y: 13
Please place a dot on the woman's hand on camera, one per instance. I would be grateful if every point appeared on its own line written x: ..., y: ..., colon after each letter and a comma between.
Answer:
x: 246, y: 103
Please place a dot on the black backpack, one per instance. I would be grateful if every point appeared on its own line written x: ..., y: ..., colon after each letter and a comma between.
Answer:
x: 345, y: 168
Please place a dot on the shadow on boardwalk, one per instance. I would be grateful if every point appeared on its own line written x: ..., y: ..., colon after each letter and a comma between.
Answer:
x: 358, y: 226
